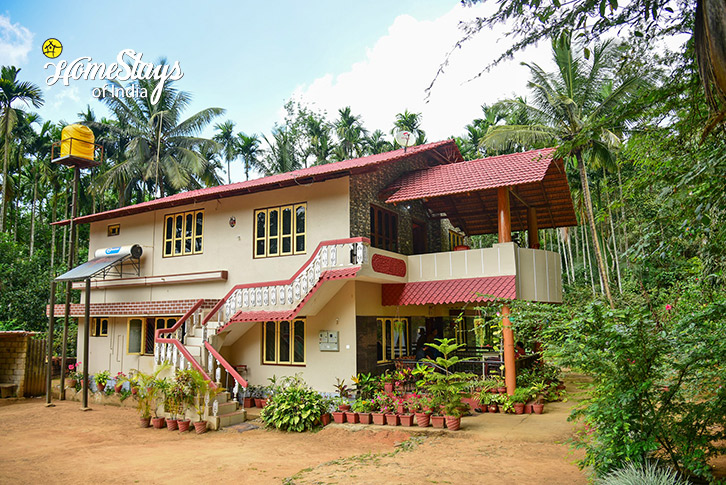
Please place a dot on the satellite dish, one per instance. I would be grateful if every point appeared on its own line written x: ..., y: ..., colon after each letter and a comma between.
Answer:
x: 405, y: 138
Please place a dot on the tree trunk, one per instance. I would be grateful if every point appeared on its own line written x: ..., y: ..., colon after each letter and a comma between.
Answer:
x: 616, y: 256
x: 623, y: 225
x: 591, y: 220
x: 569, y: 250
x: 32, y: 214
x: 52, y: 234
x: 586, y: 254
x: 3, y: 209
x: 563, y: 255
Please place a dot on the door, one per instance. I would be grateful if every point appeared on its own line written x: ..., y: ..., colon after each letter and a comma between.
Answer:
x: 418, y: 230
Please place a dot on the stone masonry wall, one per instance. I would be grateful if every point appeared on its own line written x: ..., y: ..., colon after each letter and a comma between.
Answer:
x: 13, y: 353
x: 364, y: 189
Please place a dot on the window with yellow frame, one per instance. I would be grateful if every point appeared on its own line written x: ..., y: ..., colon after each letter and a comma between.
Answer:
x: 283, y: 342
x: 280, y: 231
x: 140, y: 333
x: 455, y: 239
x: 99, y: 327
x: 183, y: 233
x: 392, y: 338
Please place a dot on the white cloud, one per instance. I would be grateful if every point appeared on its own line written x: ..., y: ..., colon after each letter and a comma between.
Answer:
x: 62, y: 94
x: 15, y: 42
x: 401, y: 65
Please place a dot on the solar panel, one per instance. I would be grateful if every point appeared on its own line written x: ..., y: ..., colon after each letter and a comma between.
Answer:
x: 91, y: 268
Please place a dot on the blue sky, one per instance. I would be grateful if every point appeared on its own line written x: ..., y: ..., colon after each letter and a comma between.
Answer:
x: 250, y: 57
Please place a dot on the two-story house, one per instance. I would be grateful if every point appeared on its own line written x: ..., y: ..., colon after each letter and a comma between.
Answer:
x: 326, y: 271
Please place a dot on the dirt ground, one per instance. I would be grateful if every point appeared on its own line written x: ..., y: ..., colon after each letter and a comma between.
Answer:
x: 65, y: 445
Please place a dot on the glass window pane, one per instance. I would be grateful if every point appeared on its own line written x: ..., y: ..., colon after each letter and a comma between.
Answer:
x: 149, y: 336
x: 135, y: 329
x: 188, y: 245
x: 167, y: 247
x: 169, y: 228
x: 178, y: 246
x: 379, y: 340
x: 300, y: 219
x: 273, y: 247
x: 273, y: 220
x: 284, y: 342
x: 299, y: 243
x: 260, y: 224
x: 198, y: 244
x: 104, y: 327
x: 389, y: 345
x: 179, y: 222
x: 189, y: 225
x: 269, y: 341
x: 286, y: 244
x: 160, y: 323
x: 170, y: 322
x: 260, y: 250
x: 299, y: 356
x: 287, y: 220
x: 200, y: 224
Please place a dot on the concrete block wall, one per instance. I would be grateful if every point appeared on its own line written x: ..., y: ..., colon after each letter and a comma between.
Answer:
x: 13, y: 355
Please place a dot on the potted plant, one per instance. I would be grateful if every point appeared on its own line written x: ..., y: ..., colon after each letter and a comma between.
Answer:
x: 119, y: 382
x: 363, y: 407
x: 74, y: 377
x: 101, y: 379
x: 257, y: 393
x: 343, y: 394
x: 421, y: 407
x: 381, y: 402
x: 501, y: 387
x: 169, y: 389
x: 146, y: 393
x: 247, y: 399
x: 158, y: 390
x: 519, y: 399
x: 204, y: 392
x: 339, y: 414
x: 506, y: 405
x: 184, y: 387
x: 537, y: 391
x: 448, y: 388
x: 365, y: 386
x: 388, y: 379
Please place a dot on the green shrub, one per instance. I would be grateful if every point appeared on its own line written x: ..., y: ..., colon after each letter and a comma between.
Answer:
x: 294, y: 406
x: 639, y: 474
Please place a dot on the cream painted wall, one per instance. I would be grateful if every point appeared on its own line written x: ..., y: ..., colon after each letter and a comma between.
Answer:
x: 225, y: 248
x: 109, y: 353
x: 321, y: 368
x: 368, y: 303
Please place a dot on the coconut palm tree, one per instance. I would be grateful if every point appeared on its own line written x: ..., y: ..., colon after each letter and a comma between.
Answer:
x: 410, y: 122
x: 281, y: 155
x: 162, y: 147
x: 376, y: 143
x: 12, y: 91
x: 351, y: 134
x: 248, y: 147
x: 577, y: 109
x: 226, y: 138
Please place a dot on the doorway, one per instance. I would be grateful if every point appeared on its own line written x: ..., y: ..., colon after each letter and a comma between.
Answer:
x: 419, y: 236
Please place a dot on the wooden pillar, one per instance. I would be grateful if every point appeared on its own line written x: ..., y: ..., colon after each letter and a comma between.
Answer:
x: 510, y: 370
x: 86, y: 342
x: 505, y: 220
x: 532, y: 230
x: 49, y: 370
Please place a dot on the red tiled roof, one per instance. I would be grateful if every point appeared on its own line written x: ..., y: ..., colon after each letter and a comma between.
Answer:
x: 449, y: 291
x: 485, y: 173
x: 131, y: 308
x: 315, y: 173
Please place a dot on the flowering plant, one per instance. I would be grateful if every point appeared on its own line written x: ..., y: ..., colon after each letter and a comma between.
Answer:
x: 73, y: 372
x: 383, y: 402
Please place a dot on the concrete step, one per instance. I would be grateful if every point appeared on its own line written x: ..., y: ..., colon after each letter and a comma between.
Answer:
x: 228, y: 419
x: 193, y: 341
x: 223, y: 408
x: 195, y: 351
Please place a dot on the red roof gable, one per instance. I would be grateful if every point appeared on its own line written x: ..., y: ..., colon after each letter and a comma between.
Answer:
x: 486, y: 173
x: 443, y: 152
x: 449, y: 291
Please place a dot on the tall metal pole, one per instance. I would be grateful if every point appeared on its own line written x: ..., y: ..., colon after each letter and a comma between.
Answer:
x: 71, y: 263
x: 86, y: 341
x: 49, y: 371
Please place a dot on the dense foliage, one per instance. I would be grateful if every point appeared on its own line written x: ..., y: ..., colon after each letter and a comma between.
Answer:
x: 294, y: 406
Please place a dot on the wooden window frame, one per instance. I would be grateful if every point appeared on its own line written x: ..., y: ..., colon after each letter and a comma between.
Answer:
x: 113, y: 230
x: 455, y: 239
x: 402, y: 348
x: 379, y: 239
x: 97, y: 327
x: 183, y: 237
x: 157, y: 319
x: 276, y: 360
x: 280, y: 235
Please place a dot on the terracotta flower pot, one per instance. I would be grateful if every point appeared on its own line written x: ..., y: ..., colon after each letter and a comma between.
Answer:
x: 351, y: 417
x: 493, y: 408
x: 117, y: 388
x: 538, y: 408
x: 344, y: 407
x: 172, y: 424
x: 339, y: 417
x: 406, y: 419
x: 378, y: 418
x: 365, y: 418
x: 183, y: 425
x: 400, y: 409
x: 134, y: 391
x: 392, y: 419
x: 502, y: 390
x: 437, y: 421
x: 144, y: 422
x: 388, y: 387
x: 71, y: 383
x: 453, y: 422
x: 200, y: 427
x: 528, y: 409
x: 423, y: 420
x: 518, y: 408
x: 249, y: 402
x: 158, y: 422
x: 261, y: 403
x: 325, y: 419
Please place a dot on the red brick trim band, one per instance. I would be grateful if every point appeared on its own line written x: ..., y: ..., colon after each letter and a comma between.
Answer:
x: 388, y: 265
